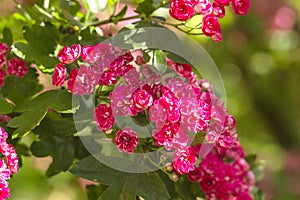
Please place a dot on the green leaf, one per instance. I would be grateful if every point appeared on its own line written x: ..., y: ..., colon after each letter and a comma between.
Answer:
x: 251, y: 159
x: 160, y: 62
x: 7, y: 36
x: 18, y: 89
x: 94, y: 191
x: 39, y: 50
x: 122, y: 185
x: 59, y: 147
x: 5, y: 107
x: 198, y: 139
x: 120, y: 15
x: 145, y: 7
x: 187, y: 189
x: 35, y: 110
x: 71, y: 6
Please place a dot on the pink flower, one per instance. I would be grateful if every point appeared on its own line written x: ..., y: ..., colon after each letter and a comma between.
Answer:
x: 5, y: 118
x: 184, y: 160
x: 3, y: 49
x: 17, y: 67
x: 11, y: 159
x: 85, y: 81
x: 117, y: 68
x: 104, y: 117
x: 241, y: 7
x: 68, y: 54
x: 195, y: 175
x: 71, y: 79
x: 184, y: 70
x: 3, y: 60
x: 4, y: 172
x: 140, y: 100
x: 11, y: 165
x: 87, y: 54
x: 211, y: 27
x: 222, y: 2
x: 4, y: 190
x: 218, y: 11
x: 2, y: 76
x: 203, y: 7
x: 59, y: 75
x: 126, y: 140
x: 181, y: 10
x: 166, y: 136
x: 120, y: 99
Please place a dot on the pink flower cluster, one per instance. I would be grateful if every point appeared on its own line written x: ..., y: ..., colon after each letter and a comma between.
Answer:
x: 105, y: 64
x: 220, y: 180
x: 180, y: 107
x: 6, y: 168
x: 15, y: 67
x: 183, y: 10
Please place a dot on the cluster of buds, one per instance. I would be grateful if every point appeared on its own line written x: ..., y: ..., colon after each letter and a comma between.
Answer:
x: 184, y: 10
x: 15, y: 66
x: 7, y: 167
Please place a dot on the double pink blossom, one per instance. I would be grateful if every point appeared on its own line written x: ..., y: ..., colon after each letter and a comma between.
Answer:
x: 68, y: 54
x: 9, y: 167
x: 2, y: 76
x: 181, y: 10
x: 241, y: 7
x: 17, y: 67
x: 184, y: 160
x: 104, y: 117
x: 59, y: 75
x: 211, y: 27
x: 126, y: 140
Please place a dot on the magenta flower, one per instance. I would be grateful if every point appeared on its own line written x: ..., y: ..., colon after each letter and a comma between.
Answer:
x: 218, y: 11
x: 166, y: 136
x: 140, y: 100
x: 241, y: 7
x: 68, y: 54
x: 71, y: 79
x: 2, y: 76
x: 126, y: 140
x: 184, y: 160
x: 4, y: 49
x: 203, y: 7
x: 87, y: 54
x: 211, y: 27
x: 8, y: 167
x: 3, y: 60
x: 17, y: 67
x: 85, y: 81
x: 181, y: 10
x: 195, y: 175
x: 222, y: 2
x: 117, y: 68
x: 4, y: 190
x: 59, y: 75
x: 104, y: 117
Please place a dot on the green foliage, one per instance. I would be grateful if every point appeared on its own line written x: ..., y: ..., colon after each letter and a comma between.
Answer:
x: 145, y: 7
x: 5, y: 107
x: 18, y: 89
x: 58, y: 146
x: 34, y: 110
x: 40, y: 51
x: 122, y: 185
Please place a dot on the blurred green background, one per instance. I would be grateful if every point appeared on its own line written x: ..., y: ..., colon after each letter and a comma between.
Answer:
x: 259, y: 60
